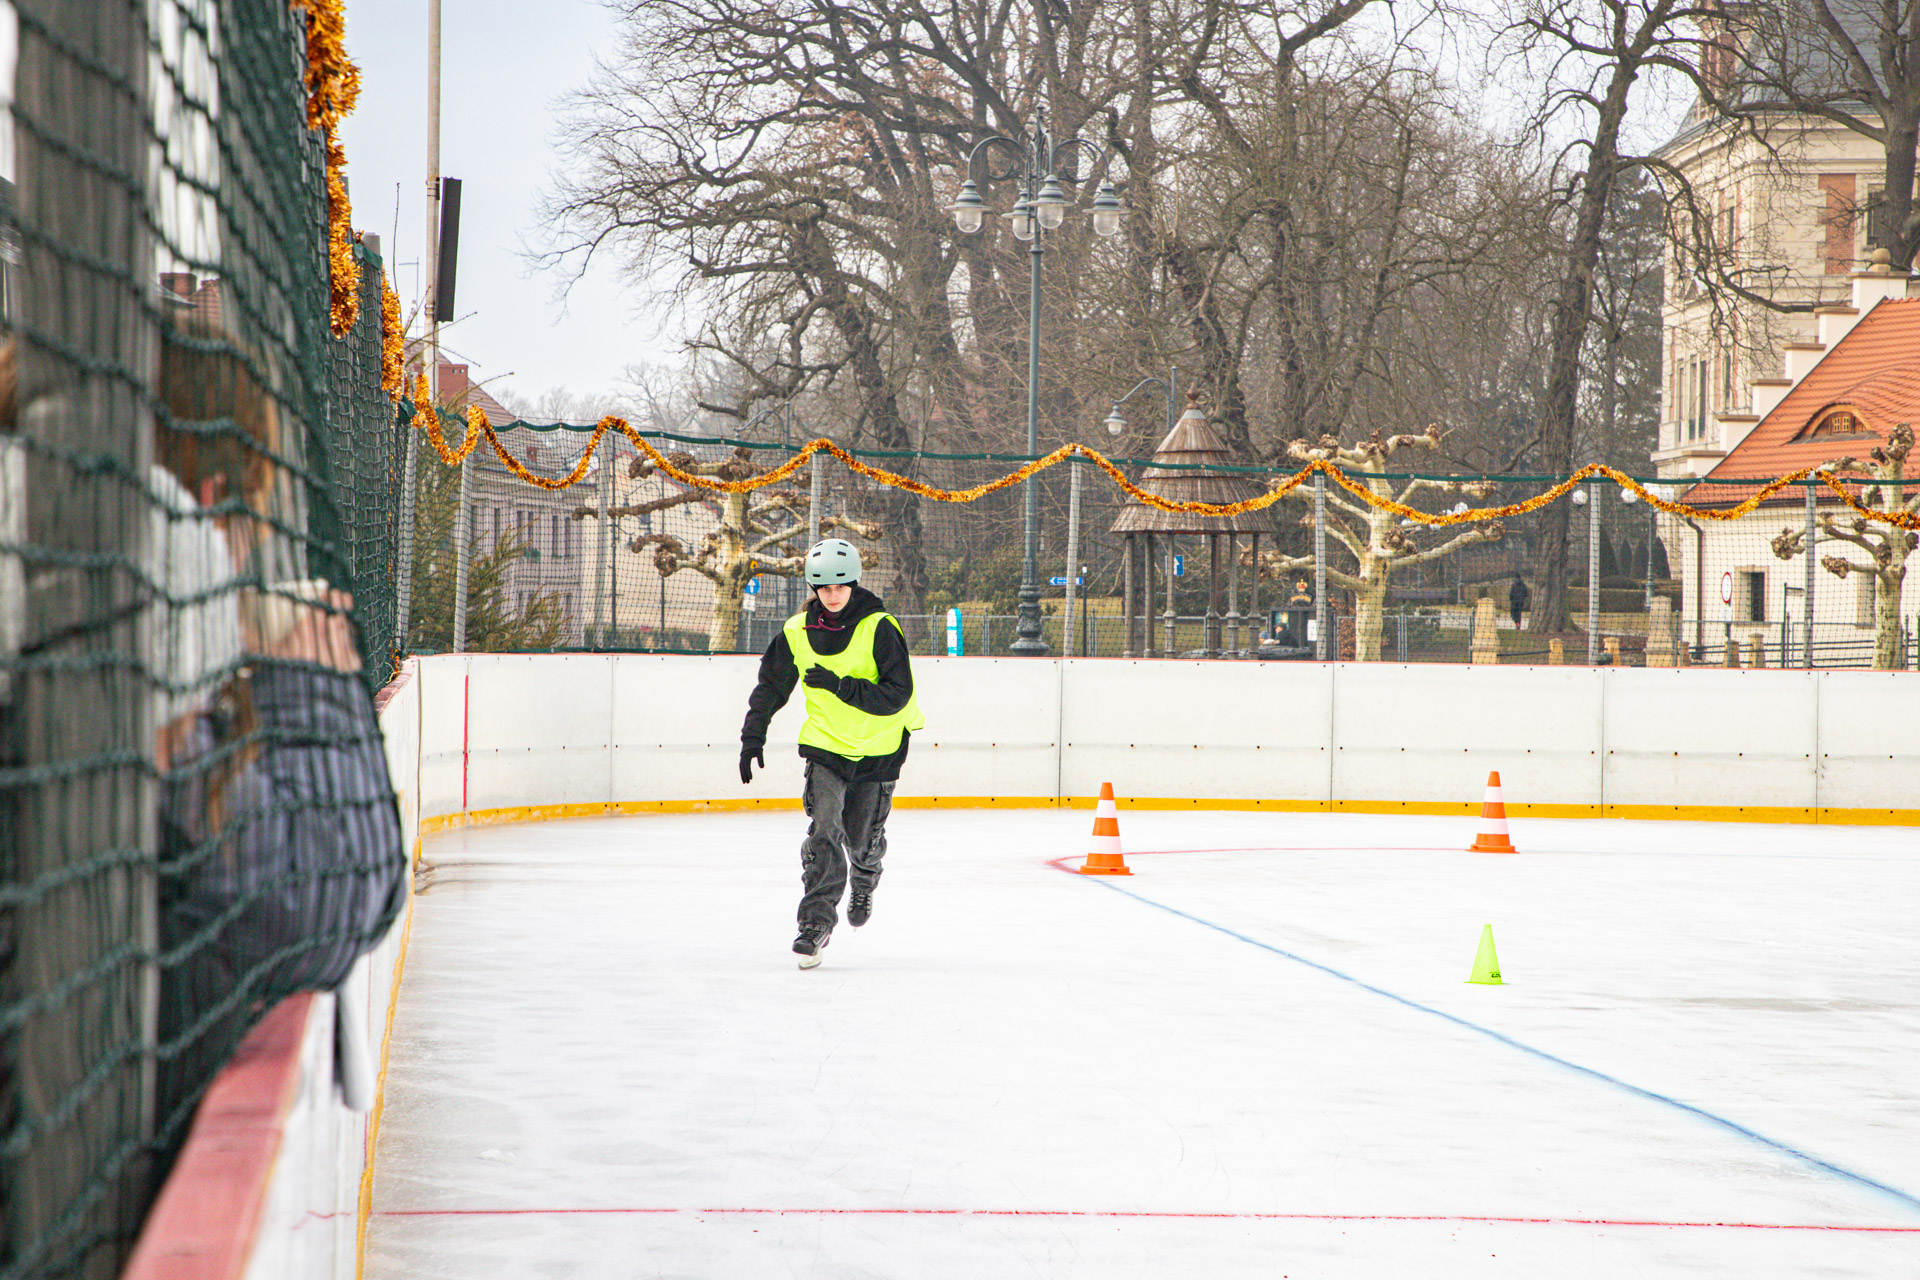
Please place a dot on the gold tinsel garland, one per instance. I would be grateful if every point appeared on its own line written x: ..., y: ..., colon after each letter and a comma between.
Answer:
x: 333, y: 86
x: 478, y: 427
x: 393, y: 369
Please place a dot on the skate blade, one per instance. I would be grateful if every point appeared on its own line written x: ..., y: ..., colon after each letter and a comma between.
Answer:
x: 810, y: 962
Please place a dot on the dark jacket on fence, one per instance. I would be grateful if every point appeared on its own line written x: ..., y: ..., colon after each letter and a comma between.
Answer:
x: 282, y: 862
x: 828, y: 634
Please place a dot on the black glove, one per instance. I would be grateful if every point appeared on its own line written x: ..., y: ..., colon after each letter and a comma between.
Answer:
x: 747, y: 756
x: 818, y: 677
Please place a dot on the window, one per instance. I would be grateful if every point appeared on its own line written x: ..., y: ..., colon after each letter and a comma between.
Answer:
x: 560, y: 547
x: 1836, y: 221
x: 1839, y: 424
x: 1750, y: 596
x: 1694, y: 397
x: 499, y: 517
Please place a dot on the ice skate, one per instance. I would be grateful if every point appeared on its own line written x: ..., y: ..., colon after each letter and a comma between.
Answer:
x: 859, y: 907
x: 808, y: 946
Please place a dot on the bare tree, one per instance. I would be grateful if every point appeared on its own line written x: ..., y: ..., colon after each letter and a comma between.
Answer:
x: 760, y: 531
x: 1886, y: 546
x: 1374, y: 536
x: 1595, y: 52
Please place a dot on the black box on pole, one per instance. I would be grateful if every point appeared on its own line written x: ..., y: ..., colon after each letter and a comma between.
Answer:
x: 449, y: 249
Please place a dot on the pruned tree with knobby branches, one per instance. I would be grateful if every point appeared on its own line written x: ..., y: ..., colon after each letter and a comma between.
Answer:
x: 758, y: 531
x: 1887, y: 546
x: 1376, y: 538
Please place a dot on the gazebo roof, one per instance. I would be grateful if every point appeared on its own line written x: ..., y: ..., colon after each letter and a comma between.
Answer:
x: 1194, y: 443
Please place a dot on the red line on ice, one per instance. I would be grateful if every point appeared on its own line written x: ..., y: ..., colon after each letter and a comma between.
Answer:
x: 1149, y: 1213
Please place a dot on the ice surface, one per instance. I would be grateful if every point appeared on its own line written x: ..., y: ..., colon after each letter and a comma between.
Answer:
x: 606, y: 1064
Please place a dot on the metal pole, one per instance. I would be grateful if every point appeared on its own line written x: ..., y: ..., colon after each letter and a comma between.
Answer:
x: 1126, y: 595
x: 1320, y: 565
x: 1813, y: 535
x: 1086, y: 632
x: 403, y: 566
x: 816, y: 495
x: 603, y: 574
x: 1233, y: 592
x: 1146, y: 595
x: 1593, y: 574
x: 1653, y: 536
x: 1210, y: 632
x: 1028, y: 642
x: 462, y: 535
x: 613, y: 570
x: 1073, y: 555
x: 462, y: 515
x: 1172, y: 619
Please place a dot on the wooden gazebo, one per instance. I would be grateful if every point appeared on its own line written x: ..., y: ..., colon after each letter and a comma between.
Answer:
x: 1182, y: 469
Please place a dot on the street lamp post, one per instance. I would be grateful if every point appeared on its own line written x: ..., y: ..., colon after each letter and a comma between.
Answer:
x: 1042, y: 207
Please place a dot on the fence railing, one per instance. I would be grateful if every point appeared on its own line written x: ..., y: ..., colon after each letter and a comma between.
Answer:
x: 630, y: 559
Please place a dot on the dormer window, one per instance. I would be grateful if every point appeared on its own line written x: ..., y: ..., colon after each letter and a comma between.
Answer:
x: 1839, y: 424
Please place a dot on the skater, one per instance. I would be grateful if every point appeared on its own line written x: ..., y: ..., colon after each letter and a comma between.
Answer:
x: 860, y: 710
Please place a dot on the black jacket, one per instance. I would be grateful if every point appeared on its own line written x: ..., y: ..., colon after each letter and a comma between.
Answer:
x: 829, y: 634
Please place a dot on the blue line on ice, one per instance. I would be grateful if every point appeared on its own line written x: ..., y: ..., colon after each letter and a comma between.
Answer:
x: 1827, y: 1166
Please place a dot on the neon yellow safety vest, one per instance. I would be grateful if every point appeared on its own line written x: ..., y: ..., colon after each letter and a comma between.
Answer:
x: 831, y: 724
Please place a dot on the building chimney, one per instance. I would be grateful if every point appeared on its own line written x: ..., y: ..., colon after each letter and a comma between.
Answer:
x: 1801, y: 357
x: 1877, y: 283
x: 1765, y: 394
x: 1834, y: 323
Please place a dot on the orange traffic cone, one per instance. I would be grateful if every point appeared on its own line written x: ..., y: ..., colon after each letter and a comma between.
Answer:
x: 1493, y: 821
x: 1103, y: 850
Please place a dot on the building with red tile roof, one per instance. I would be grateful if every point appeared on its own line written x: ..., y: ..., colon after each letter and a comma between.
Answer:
x: 1838, y: 397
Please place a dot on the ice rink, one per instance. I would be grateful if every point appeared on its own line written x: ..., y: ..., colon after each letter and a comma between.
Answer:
x: 1257, y: 1056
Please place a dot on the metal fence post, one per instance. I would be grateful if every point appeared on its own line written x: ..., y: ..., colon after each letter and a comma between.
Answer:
x: 1320, y: 565
x: 816, y: 492
x: 403, y: 566
x: 1073, y: 554
x: 1593, y: 574
x: 1811, y: 538
x: 603, y: 621
x: 462, y: 534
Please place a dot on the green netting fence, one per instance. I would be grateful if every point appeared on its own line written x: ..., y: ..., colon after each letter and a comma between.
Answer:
x: 629, y: 559
x: 195, y: 818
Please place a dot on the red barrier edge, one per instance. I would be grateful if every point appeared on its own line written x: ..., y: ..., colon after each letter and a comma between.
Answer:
x: 203, y: 1224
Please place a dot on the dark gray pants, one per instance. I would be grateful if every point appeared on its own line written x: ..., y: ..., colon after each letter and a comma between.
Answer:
x: 849, y: 827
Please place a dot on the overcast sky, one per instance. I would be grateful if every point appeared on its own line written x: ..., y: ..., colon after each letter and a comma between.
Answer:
x: 505, y: 64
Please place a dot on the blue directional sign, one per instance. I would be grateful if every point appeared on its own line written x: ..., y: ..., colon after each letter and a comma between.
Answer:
x: 753, y: 586
x: 1179, y: 566
x: 1060, y: 580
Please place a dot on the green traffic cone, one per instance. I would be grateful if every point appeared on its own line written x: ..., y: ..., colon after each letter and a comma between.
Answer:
x: 1486, y: 965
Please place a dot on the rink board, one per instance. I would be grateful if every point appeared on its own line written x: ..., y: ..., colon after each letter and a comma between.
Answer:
x: 508, y: 737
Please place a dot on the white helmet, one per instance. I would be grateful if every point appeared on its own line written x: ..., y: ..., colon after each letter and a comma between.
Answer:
x: 831, y: 562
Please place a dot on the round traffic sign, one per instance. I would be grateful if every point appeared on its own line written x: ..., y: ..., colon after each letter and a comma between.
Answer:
x: 1726, y: 588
